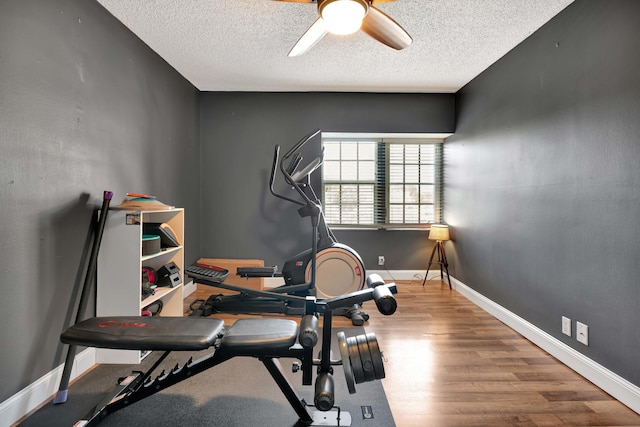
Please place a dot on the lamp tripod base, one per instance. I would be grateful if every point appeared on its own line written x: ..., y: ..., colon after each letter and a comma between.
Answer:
x: 442, y: 262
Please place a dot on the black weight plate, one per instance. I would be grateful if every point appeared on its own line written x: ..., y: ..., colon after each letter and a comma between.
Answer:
x: 376, y: 355
x: 356, y: 361
x: 365, y: 356
x: 346, y: 363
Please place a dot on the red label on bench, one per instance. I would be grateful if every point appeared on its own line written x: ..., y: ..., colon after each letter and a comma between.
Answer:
x: 114, y: 323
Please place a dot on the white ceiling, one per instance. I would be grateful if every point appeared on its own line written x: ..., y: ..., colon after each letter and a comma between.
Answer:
x: 242, y: 45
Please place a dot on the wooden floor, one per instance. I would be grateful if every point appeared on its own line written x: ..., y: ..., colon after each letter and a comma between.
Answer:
x: 449, y: 363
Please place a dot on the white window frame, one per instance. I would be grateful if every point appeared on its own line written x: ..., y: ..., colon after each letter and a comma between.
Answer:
x: 381, y: 209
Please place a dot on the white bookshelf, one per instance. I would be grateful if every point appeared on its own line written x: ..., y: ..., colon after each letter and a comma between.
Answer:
x: 119, y: 271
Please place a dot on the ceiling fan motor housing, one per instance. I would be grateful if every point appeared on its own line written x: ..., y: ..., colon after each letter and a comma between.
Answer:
x: 343, y: 16
x: 324, y: 3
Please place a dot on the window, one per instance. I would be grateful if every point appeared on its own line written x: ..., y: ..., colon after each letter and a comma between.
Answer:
x: 382, y: 183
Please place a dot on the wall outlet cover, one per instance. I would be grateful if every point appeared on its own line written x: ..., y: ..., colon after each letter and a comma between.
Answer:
x: 566, y: 326
x: 582, y: 333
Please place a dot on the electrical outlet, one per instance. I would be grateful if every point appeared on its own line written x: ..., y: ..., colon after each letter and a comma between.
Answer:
x: 381, y: 260
x: 566, y: 326
x: 582, y: 333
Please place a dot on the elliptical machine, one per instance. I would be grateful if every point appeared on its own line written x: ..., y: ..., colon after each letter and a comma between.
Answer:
x: 339, y: 270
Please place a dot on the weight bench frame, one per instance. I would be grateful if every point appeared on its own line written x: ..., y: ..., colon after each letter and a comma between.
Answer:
x: 211, y: 333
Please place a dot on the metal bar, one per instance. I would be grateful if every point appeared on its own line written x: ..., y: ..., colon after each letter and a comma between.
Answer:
x: 61, y: 395
x: 350, y: 299
x: 325, y: 358
x: 275, y: 369
x: 252, y: 292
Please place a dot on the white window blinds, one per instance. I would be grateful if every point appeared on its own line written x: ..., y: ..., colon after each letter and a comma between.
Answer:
x: 381, y: 183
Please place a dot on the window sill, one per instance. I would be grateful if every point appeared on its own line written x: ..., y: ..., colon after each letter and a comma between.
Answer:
x: 399, y: 227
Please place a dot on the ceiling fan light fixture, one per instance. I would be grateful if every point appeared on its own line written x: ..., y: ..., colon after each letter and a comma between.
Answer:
x: 343, y: 16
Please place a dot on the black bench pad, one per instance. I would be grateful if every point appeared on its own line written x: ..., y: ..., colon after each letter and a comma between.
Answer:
x: 251, y: 337
x: 145, y: 333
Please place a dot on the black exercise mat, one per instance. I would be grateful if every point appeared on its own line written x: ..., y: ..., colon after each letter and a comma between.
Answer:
x: 239, y: 392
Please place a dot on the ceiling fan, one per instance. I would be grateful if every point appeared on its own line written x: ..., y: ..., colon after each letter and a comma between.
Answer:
x: 347, y: 17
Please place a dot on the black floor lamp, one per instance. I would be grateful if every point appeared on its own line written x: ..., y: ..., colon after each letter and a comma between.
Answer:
x: 439, y: 233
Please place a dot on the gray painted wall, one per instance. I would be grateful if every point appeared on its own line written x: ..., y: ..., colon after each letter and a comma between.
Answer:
x: 241, y: 219
x: 85, y: 106
x: 542, y: 182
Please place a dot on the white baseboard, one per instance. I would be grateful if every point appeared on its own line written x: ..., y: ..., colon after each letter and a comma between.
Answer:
x: 621, y: 389
x: 391, y: 275
x: 38, y: 392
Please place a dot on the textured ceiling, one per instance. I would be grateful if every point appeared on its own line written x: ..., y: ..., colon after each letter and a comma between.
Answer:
x: 242, y: 45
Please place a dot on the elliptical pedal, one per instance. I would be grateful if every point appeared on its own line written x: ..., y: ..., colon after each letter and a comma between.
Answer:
x: 256, y: 271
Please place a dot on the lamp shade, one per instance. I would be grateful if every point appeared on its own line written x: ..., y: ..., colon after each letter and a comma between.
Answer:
x: 439, y: 232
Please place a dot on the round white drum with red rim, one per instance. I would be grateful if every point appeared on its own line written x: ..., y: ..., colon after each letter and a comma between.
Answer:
x: 339, y: 271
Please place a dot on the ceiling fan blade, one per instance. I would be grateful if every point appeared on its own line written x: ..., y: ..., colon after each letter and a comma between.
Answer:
x: 309, y: 39
x: 381, y: 27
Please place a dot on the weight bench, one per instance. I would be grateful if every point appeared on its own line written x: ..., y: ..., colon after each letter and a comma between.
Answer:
x: 264, y: 339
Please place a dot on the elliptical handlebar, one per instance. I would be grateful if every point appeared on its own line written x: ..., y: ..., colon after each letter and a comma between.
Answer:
x: 272, y: 179
x: 290, y: 172
x: 301, y: 143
